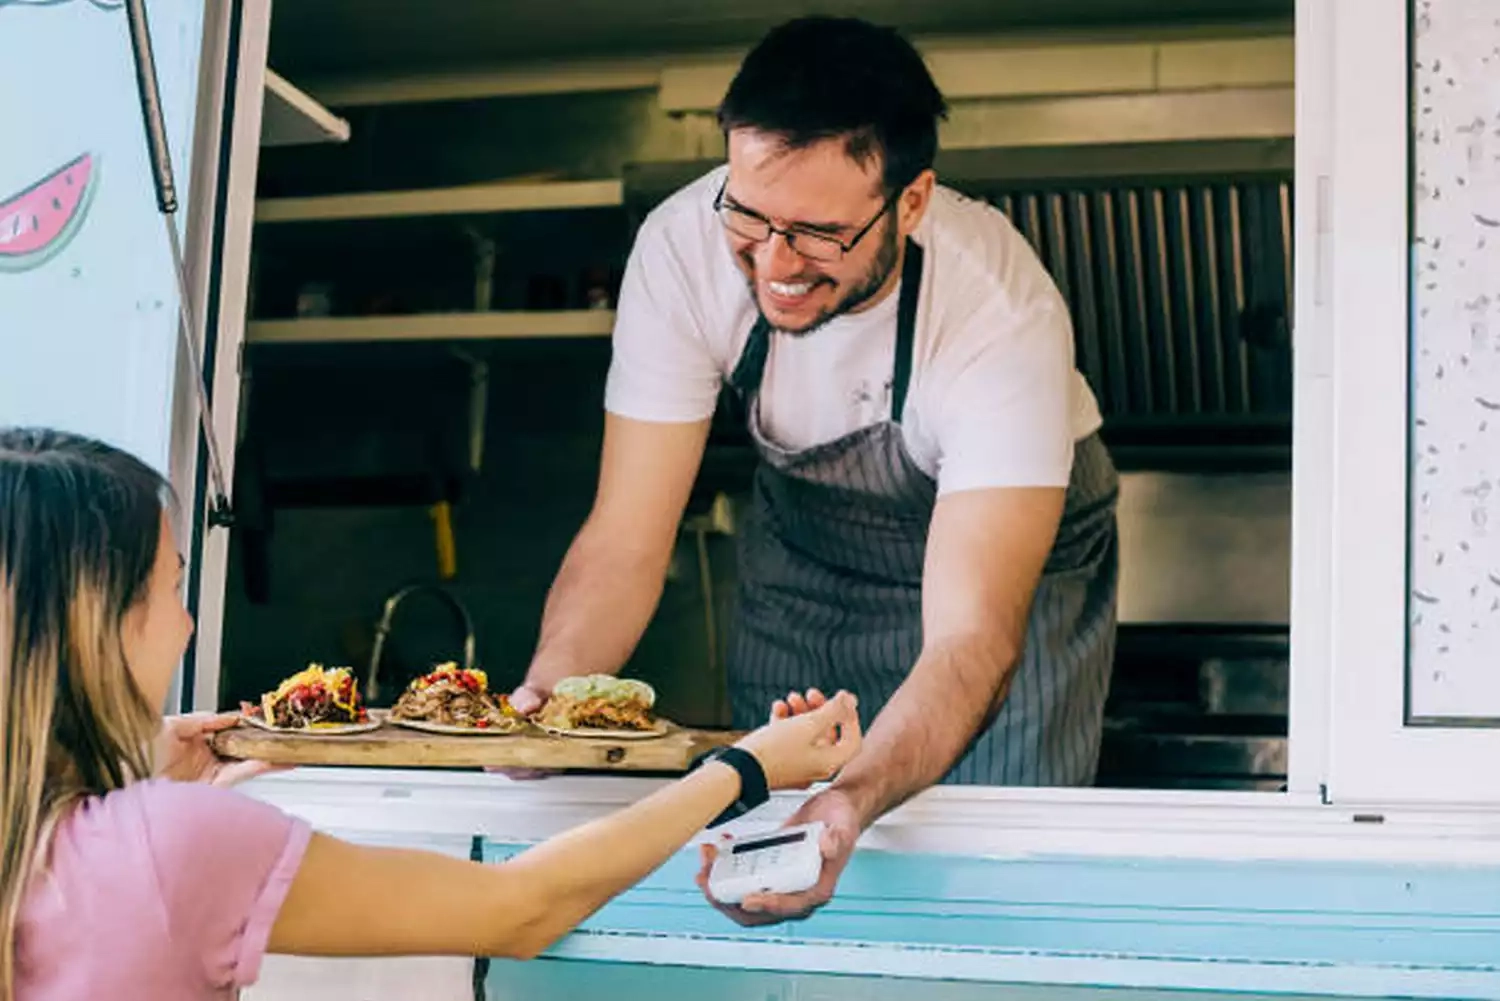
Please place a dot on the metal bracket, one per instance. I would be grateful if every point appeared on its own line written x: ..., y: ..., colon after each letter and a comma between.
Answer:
x: 220, y: 513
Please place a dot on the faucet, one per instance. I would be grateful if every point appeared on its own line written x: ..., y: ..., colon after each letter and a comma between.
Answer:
x: 383, y: 629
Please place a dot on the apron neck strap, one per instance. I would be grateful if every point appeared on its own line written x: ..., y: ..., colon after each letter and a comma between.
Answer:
x: 906, y: 327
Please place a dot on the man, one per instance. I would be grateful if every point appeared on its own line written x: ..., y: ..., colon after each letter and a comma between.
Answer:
x: 933, y: 523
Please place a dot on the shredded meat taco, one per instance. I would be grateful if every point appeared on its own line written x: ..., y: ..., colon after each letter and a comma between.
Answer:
x: 600, y: 702
x: 311, y: 696
x: 453, y: 696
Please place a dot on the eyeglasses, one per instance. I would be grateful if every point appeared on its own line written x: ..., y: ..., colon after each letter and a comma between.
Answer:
x: 748, y: 225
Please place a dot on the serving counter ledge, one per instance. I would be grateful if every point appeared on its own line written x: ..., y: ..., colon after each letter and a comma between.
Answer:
x: 965, y: 888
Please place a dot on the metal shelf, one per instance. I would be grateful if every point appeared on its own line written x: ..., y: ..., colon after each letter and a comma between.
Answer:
x: 293, y: 118
x: 475, y: 199
x: 563, y: 323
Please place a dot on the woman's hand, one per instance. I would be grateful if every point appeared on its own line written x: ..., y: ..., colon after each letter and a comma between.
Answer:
x: 183, y: 752
x: 841, y: 820
x: 798, y: 749
x: 796, y: 703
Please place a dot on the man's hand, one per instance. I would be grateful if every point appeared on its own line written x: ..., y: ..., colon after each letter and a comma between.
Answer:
x: 842, y: 827
x: 526, y: 699
x: 183, y: 752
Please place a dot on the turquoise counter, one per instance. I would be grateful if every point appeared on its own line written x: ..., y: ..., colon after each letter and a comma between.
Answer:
x: 567, y: 980
x: 952, y: 928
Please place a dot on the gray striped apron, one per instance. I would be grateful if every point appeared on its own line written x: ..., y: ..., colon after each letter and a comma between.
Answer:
x: 829, y: 590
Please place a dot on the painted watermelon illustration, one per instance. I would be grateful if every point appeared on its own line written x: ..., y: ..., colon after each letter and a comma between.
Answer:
x: 38, y: 223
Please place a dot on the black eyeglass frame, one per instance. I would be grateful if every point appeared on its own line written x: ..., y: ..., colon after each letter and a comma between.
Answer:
x: 791, y: 233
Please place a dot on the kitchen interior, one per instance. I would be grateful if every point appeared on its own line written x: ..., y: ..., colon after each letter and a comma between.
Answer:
x: 435, y: 259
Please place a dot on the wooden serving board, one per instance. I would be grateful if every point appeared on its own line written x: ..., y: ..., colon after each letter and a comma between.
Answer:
x: 399, y: 747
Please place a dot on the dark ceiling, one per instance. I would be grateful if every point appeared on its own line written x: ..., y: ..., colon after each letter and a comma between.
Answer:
x: 322, y: 38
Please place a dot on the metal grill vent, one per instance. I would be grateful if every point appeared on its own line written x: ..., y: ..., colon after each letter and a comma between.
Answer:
x: 1180, y: 295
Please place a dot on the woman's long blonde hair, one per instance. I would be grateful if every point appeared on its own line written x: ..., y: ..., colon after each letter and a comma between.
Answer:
x: 80, y: 523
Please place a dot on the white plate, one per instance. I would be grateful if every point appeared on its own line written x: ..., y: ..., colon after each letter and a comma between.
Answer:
x: 315, y: 729
x: 460, y: 731
x: 660, y: 730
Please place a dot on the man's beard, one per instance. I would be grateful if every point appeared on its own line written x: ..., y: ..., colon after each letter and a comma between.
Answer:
x: 865, y: 287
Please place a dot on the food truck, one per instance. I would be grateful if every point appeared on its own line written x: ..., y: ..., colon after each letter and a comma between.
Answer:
x: 376, y: 387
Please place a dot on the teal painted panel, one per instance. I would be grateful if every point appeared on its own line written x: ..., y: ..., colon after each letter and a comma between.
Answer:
x: 1429, y: 930
x: 564, y: 980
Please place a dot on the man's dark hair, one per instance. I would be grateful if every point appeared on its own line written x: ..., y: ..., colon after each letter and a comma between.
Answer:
x: 818, y: 78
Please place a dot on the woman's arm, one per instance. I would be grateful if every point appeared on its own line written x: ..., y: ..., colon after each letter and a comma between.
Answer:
x: 350, y: 900
x: 354, y: 900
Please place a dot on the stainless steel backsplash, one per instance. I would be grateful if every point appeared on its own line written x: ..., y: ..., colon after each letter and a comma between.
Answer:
x: 1204, y: 549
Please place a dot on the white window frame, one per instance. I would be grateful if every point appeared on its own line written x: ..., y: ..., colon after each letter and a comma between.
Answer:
x: 1348, y: 566
x: 1376, y: 756
x: 232, y: 197
x: 1306, y: 753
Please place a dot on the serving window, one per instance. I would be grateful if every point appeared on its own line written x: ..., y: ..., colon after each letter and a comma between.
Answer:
x: 407, y: 354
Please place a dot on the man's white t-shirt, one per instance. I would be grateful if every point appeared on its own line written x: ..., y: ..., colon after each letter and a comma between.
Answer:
x: 995, y: 399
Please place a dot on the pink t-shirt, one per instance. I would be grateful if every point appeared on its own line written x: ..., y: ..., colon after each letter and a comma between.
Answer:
x: 162, y: 890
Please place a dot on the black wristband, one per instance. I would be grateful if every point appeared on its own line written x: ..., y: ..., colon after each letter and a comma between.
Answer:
x: 753, y: 790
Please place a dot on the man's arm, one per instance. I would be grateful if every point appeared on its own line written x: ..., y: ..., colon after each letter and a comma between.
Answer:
x: 1005, y: 417
x: 985, y: 553
x: 658, y: 400
x: 612, y: 576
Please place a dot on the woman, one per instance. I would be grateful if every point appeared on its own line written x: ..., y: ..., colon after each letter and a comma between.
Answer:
x: 117, y: 879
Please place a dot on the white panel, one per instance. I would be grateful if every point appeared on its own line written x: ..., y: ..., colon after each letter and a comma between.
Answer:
x: 1455, y: 556
x: 416, y: 978
x: 976, y: 821
x: 405, y: 978
x: 88, y: 297
x: 1312, y: 427
x: 1375, y: 756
